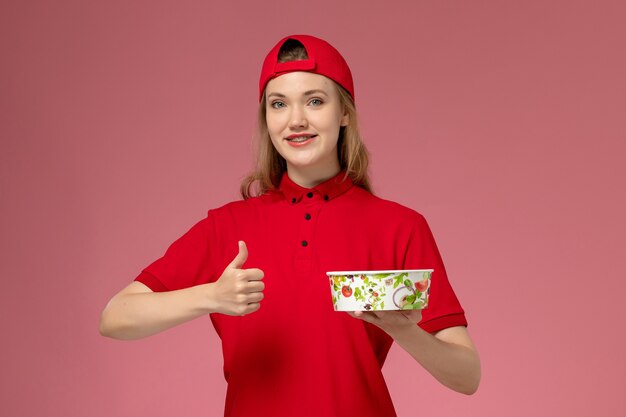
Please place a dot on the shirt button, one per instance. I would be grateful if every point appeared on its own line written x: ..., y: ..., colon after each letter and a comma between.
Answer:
x: 293, y: 200
x: 305, y: 243
x: 310, y: 195
x: 325, y: 198
x: 307, y: 216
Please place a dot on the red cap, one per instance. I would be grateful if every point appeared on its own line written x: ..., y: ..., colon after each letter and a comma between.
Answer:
x: 324, y: 59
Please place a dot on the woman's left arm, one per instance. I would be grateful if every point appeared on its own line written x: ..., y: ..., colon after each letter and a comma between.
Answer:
x: 449, y: 355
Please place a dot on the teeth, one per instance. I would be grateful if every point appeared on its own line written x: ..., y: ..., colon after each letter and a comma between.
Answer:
x: 300, y: 138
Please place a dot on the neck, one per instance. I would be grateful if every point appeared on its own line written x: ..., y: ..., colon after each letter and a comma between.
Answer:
x: 309, y: 177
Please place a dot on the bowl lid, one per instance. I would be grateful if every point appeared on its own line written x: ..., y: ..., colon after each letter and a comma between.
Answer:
x: 391, y: 271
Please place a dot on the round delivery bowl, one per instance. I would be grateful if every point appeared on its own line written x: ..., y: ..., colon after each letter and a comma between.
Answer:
x: 405, y: 289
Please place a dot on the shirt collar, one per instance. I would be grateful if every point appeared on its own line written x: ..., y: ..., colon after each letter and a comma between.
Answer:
x: 328, y: 190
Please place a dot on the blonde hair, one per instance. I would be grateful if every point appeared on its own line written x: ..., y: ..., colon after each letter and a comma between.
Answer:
x: 351, y: 151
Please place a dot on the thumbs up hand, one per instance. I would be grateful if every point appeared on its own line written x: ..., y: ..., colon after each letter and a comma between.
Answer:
x: 239, y: 291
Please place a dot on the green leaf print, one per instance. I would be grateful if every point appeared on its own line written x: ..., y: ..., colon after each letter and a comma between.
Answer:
x: 410, y: 299
x: 408, y: 283
x: 381, y: 276
x: 357, y: 294
x: 407, y: 307
x: 397, y: 281
x: 382, y: 305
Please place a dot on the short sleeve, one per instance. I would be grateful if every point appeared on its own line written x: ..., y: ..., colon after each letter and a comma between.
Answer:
x: 187, y: 262
x: 444, y: 309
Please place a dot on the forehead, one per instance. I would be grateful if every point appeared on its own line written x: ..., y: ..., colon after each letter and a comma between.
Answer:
x: 297, y: 82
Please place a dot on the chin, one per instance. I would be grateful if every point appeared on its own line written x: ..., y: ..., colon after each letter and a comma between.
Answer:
x: 302, y: 162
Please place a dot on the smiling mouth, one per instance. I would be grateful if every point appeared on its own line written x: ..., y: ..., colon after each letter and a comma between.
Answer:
x: 298, y: 139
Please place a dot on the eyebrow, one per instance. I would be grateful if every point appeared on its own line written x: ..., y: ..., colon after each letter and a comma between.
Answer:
x: 306, y: 93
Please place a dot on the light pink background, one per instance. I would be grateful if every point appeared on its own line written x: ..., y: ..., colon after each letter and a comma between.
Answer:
x: 503, y: 123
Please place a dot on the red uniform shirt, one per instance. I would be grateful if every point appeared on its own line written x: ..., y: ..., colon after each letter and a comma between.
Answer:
x: 297, y: 356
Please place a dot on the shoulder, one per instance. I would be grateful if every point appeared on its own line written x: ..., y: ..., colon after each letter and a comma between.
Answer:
x: 378, y: 206
x: 247, y: 206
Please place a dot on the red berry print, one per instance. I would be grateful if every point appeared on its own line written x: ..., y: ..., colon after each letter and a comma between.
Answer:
x: 421, y: 285
x: 346, y: 290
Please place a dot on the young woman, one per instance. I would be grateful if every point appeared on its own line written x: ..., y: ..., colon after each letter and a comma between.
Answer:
x: 258, y: 265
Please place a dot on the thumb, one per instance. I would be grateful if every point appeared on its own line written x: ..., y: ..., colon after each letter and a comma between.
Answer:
x: 241, y: 257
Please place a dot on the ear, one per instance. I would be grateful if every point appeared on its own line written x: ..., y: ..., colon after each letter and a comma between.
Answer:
x: 345, y: 119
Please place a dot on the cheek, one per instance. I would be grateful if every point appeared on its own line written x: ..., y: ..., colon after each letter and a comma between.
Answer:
x: 330, y: 127
x: 275, y: 125
x: 275, y: 144
x: 329, y: 122
x: 275, y: 134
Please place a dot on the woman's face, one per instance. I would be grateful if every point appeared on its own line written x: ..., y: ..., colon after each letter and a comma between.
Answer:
x: 304, y: 114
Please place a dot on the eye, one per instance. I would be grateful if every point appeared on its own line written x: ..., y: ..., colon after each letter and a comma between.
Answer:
x: 316, y: 101
x: 274, y: 104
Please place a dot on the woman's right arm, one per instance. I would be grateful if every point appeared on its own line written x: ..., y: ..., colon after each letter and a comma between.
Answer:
x: 137, y: 312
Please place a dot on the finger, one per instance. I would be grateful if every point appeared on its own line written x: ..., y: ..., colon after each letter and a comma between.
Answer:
x: 255, y: 297
x: 353, y: 314
x: 371, y: 316
x: 363, y: 315
x: 415, y: 316
x: 254, y: 274
x: 378, y: 315
x: 241, y: 257
x: 392, y: 315
x: 252, y: 307
x: 256, y: 286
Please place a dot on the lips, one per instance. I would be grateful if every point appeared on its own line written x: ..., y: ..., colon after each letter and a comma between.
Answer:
x: 301, y: 137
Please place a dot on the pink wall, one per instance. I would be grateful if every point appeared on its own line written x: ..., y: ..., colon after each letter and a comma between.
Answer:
x: 502, y: 122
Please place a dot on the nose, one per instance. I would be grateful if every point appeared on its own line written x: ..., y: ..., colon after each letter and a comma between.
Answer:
x: 298, y: 118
